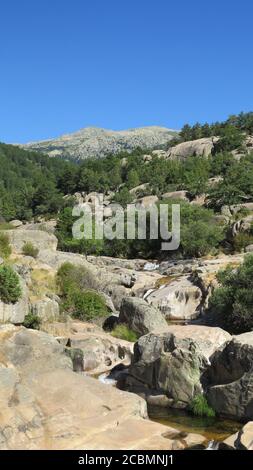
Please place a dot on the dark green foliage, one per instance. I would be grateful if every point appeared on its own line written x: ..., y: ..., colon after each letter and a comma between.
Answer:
x: 200, y: 407
x: 10, y: 289
x: 32, y: 183
x: 66, y: 242
x: 232, y: 303
x: 231, y: 138
x: 87, y: 305
x: 123, y: 197
x: 200, y: 234
x: 5, y: 248
x: 242, y: 122
x: 30, y: 250
x: 32, y: 321
x: 242, y: 240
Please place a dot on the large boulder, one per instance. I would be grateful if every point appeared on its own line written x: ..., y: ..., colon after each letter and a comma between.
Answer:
x: 141, y: 317
x: 176, y: 195
x: 39, y: 238
x: 242, y: 440
x: 179, y: 300
x: 16, y: 223
x: 209, y: 339
x: 230, y: 379
x: 99, y: 351
x: 199, y: 147
x: 167, y: 365
x: 146, y: 202
x: 46, y: 309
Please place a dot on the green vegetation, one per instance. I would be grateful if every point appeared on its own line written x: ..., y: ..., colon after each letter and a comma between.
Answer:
x: 232, y: 302
x: 87, y: 305
x: 32, y: 321
x: 30, y: 250
x: 10, y: 289
x: 200, y: 407
x: 5, y: 248
x: 77, y: 287
x: 242, y: 122
x: 31, y: 184
x: 123, y: 332
x: 34, y: 185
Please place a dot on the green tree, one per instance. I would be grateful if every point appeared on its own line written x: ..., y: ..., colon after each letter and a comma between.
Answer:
x: 231, y: 303
x: 10, y: 289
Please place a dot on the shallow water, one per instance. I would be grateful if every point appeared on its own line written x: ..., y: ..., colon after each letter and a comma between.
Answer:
x: 214, y: 429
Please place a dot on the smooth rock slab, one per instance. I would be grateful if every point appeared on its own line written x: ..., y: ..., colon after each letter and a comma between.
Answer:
x: 179, y: 300
x: 45, y: 405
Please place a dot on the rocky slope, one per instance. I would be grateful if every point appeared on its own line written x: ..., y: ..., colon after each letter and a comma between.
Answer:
x: 96, y: 142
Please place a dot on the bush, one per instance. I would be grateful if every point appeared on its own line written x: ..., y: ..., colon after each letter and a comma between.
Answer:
x: 71, y: 277
x: 87, y: 305
x: 32, y: 321
x: 123, y: 332
x: 231, y: 303
x: 77, y: 286
x: 5, y: 248
x: 10, y: 289
x: 30, y: 250
x: 199, y: 407
x: 241, y: 240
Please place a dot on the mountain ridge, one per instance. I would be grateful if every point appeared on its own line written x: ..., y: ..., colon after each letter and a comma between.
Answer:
x: 98, y: 142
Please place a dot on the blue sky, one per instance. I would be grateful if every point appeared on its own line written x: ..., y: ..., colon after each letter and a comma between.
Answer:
x: 117, y: 64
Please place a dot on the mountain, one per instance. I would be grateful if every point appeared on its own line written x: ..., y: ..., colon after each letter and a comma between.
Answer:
x: 96, y: 142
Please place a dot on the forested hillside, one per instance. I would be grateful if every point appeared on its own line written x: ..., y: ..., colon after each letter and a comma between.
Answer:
x: 34, y: 185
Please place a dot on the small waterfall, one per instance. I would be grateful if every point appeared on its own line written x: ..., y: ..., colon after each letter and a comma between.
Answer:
x: 150, y: 267
x: 104, y: 378
x: 213, y: 445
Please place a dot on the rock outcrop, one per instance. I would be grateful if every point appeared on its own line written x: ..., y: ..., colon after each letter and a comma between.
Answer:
x: 167, y: 365
x: 179, y: 300
x: 45, y: 309
x: 39, y: 238
x: 141, y: 317
x: 15, y: 313
x: 94, y: 350
x: 230, y: 379
x: 199, y: 147
x: 242, y: 440
x: 45, y: 405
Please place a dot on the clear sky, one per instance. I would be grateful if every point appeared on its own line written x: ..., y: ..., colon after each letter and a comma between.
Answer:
x: 121, y: 63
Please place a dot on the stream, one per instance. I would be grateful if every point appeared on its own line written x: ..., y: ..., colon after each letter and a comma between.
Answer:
x: 214, y: 429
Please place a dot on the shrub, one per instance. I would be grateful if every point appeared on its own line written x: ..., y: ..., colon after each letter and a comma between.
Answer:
x: 241, y: 240
x: 123, y: 332
x: 71, y: 277
x: 87, y: 305
x: 10, y: 289
x: 199, y: 407
x: 231, y: 303
x: 32, y: 321
x: 30, y: 250
x: 5, y: 248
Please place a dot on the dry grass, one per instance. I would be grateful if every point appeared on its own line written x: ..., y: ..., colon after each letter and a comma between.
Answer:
x: 42, y: 282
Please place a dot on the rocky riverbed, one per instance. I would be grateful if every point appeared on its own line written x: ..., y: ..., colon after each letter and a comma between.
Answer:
x: 49, y: 396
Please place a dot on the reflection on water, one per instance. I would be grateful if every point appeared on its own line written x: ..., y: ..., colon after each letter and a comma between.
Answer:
x: 214, y: 429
